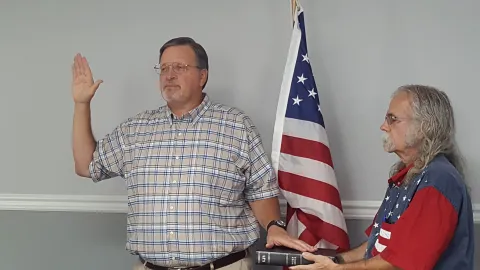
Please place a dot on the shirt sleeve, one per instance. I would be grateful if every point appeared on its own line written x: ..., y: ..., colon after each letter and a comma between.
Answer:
x: 423, y: 232
x: 261, y: 181
x: 109, y: 155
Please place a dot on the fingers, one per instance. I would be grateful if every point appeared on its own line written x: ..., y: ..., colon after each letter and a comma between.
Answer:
x: 301, y: 246
x: 302, y: 267
x: 304, y: 245
x: 309, y: 247
x: 76, y: 65
x: 309, y: 256
x: 317, y: 259
x: 81, y: 66
x: 85, y: 67
x: 97, y: 84
x: 269, y: 243
x: 290, y: 244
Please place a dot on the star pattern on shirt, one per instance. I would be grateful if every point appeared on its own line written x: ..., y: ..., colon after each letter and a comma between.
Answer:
x: 396, y: 201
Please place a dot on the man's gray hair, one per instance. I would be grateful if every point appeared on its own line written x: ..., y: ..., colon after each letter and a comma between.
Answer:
x: 434, y: 125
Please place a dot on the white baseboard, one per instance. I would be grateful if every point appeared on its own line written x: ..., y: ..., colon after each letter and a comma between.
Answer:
x: 361, y: 210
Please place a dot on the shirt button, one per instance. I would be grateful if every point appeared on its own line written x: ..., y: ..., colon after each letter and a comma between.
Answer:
x: 173, y: 258
x: 171, y: 207
x: 177, y: 157
x: 180, y: 134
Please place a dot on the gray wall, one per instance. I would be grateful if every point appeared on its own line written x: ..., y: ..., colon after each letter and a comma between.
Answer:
x: 360, y: 52
x: 93, y: 241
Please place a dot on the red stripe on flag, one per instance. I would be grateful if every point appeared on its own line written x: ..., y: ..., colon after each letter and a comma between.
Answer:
x: 308, y: 237
x: 290, y: 212
x: 311, y: 188
x: 324, y: 230
x: 307, y: 149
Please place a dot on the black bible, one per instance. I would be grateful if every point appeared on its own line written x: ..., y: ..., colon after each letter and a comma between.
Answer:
x: 283, y: 256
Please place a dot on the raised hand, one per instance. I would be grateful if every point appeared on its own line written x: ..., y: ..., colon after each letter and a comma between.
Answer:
x: 83, y: 87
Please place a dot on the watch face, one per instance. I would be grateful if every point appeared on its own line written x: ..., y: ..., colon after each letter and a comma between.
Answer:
x: 281, y: 223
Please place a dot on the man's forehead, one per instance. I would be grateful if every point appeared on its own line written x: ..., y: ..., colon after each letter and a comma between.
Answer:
x: 400, y: 104
x: 181, y: 54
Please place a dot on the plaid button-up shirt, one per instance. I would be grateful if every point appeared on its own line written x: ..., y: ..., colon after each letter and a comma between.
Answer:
x: 188, y: 182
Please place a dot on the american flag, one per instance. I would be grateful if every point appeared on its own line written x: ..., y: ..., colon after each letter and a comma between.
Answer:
x: 301, y: 154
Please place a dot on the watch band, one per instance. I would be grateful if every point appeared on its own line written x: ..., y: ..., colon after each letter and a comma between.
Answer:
x: 278, y: 223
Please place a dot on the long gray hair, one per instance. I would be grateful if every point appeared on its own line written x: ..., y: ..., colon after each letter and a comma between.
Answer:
x: 434, y: 125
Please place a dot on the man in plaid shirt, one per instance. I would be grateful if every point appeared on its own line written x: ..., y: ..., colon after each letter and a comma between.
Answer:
x: 198, y: 180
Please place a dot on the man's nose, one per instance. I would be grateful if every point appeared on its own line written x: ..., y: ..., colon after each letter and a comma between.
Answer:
x: 384, y: 126
x: 170, y: 75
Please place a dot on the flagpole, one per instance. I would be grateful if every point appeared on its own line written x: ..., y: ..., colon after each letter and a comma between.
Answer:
x: 294, y: 7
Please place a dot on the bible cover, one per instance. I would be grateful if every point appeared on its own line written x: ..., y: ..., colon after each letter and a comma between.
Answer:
x: 283, y: 256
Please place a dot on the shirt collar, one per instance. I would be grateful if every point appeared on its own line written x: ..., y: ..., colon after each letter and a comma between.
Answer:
x: 193, y: 114
x: 399, y: 176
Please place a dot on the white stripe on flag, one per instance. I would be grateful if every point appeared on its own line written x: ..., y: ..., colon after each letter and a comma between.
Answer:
x: 325, y: 244
x: 323, y: 210
x: 292, y: 225
x: 308, y: 168
x: 305, y: 130
x: 288, y: 72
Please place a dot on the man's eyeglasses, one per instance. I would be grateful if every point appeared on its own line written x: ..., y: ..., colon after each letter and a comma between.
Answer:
x: 178, y: 68
x: 391, y: 119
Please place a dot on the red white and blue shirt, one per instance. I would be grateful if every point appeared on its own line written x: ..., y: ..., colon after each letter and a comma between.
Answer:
x: 427, y: 224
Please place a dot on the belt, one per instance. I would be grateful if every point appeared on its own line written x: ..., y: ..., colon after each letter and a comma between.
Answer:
x: 222, y: 262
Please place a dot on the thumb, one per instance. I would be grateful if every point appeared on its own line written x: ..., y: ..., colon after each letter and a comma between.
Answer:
x: 309, y: 256
x: 269, y: 244
x: 97, y: 84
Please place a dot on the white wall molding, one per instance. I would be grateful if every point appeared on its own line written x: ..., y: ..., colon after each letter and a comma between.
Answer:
x: 361, y: 210
x: 63, y: 203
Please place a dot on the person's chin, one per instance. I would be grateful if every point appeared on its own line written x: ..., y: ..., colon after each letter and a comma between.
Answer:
x: 388, y: 149
x: 168, y: 95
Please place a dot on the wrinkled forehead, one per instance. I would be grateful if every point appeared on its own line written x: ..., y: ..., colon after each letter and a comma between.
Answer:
x: 400, y: 105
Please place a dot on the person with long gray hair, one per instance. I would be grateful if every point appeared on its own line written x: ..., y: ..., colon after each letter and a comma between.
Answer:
x: 425, y: 220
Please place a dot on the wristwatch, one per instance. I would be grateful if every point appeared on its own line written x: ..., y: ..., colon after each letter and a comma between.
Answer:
x: 278, y: 223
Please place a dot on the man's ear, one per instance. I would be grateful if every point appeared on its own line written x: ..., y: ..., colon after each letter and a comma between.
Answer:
x: 203, y: 77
